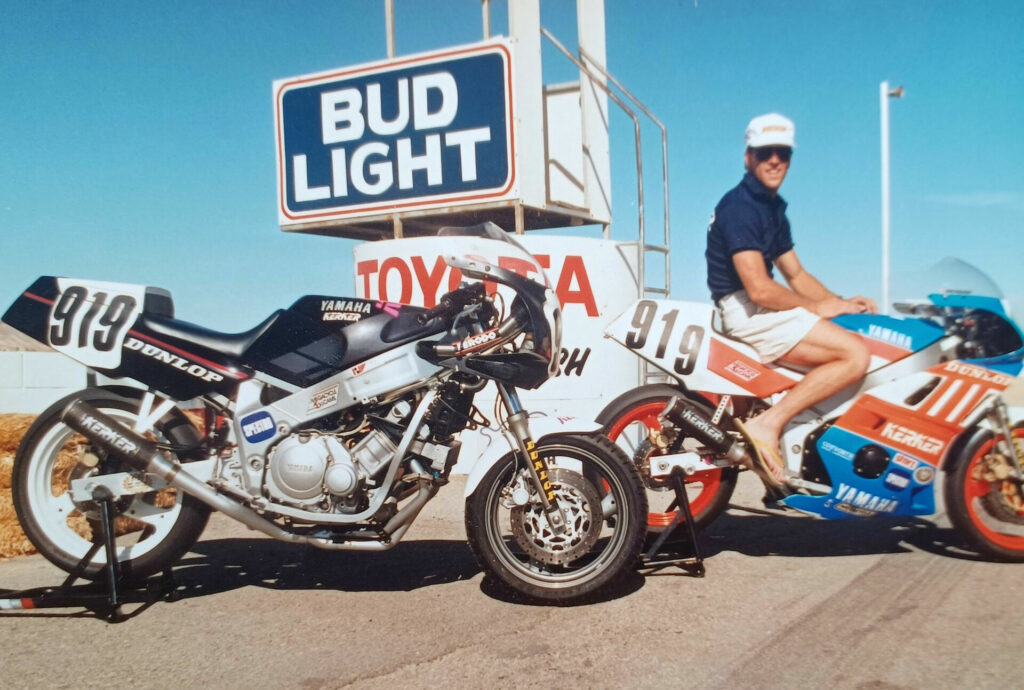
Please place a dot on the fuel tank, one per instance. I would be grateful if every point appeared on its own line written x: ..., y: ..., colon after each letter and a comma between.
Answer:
x: 319, y: 335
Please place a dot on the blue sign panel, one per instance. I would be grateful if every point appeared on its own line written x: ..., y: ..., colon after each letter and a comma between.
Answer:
x: 412, y: 133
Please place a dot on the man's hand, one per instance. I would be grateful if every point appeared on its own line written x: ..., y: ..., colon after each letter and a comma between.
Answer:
x: 866, y: 303
x: 834, y: 306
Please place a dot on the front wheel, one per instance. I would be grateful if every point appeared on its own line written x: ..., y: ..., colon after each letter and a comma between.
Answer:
x: 629, y: 420
x: 602, y: 499
x: 153, y: 529
x: 984, y: 503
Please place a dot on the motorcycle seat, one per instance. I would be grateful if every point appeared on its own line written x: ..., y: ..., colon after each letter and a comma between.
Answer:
x: 739, y: 345
x: 230, y: 344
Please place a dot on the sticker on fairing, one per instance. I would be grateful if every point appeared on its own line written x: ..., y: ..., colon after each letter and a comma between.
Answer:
x: 90, y: 320
x: 258, y: 427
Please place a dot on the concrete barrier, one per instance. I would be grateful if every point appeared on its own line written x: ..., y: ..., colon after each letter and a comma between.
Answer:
x: 31, y: 381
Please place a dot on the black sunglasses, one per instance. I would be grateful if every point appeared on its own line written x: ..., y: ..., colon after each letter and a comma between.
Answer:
x: 764, y: 153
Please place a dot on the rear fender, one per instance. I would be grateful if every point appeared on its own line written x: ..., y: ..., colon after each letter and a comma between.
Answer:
x: 540, y: 427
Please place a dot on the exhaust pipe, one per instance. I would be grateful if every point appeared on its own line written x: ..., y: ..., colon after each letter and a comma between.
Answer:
x: 142, y: 454
x: 684, y: 415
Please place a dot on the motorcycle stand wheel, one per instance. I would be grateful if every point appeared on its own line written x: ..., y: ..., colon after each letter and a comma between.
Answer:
x: 985, y: 506
x: 603, y: 501
x: 153, y: 530
x: 632, y: 418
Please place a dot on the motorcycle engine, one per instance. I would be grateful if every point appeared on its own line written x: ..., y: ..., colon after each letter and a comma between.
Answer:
x: 314, y: 470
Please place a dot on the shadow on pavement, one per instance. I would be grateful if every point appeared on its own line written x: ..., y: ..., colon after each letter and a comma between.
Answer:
x: 224, y: 564
x: 758, y: 533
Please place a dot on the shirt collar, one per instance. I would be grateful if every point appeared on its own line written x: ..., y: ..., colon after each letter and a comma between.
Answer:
x: 757, y: 189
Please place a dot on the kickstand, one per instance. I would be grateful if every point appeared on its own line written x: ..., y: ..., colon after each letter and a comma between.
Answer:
x: 655, y: 558
x: 105, y: 601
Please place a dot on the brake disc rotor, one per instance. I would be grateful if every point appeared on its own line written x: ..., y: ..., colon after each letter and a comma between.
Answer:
x: 583, y: 521
x: 1005, y: 499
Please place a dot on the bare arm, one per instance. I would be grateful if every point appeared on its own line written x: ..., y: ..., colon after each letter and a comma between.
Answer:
x: 802, y: 282
x: 804, y: 291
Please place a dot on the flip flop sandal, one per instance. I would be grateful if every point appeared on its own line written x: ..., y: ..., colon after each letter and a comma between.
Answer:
x: 762, y: 455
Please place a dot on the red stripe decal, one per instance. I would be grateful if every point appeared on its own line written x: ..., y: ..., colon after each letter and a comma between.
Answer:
x: 37, y: 298
x: 205, y: 362
x: 886, y: 351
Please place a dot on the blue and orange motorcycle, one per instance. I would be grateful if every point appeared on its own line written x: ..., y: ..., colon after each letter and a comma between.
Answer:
x: 943, y: 400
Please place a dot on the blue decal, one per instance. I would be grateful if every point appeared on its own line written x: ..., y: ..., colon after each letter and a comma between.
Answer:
x: 910, y: 334
x: 258, y: 427
x: 855, y: 496
x: 897, y: 480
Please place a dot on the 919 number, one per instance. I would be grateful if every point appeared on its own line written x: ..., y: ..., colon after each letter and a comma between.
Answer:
x: 99, y: 326
x: 689, y: 344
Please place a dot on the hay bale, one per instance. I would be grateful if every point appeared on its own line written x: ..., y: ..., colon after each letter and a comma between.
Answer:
x: 13, y: 541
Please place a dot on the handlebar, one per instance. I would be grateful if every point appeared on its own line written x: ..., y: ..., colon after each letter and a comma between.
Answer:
x: 453, y: 302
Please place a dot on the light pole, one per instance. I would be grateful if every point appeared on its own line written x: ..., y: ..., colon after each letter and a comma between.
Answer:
x: 885, y: 93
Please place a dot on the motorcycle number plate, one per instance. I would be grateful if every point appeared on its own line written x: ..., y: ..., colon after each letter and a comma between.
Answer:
x: 90, y: 320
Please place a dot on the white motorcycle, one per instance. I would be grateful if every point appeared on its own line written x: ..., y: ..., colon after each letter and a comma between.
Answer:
x: 331, y: 423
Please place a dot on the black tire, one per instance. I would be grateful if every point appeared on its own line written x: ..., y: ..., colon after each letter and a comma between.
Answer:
x: 986, y: 512
x: 589, y: 473
x: 169, y: 521
x: 709, y: 492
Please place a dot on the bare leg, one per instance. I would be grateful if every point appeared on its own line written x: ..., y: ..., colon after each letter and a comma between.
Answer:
x: 839, y: 358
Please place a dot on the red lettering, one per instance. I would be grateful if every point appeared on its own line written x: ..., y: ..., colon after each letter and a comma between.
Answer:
x: 575, y: 268
x: 394, y: 263
x: 366, y: 269
x: 520, y: 266
x: 429, y: 282
x: 454, y: 278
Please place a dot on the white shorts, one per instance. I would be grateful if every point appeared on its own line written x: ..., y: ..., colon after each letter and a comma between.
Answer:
x: 772, y: 333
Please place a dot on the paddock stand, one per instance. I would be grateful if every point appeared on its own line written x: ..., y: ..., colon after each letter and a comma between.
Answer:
x: 103, y: 598
x: 655, y: 558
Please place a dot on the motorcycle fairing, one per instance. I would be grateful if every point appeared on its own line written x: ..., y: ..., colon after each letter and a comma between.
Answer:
x: 889, y: 339
x: 913, y: 421
x: 896, y: 490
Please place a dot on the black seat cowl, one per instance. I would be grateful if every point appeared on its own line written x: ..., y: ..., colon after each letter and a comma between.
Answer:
x: 230, y: 344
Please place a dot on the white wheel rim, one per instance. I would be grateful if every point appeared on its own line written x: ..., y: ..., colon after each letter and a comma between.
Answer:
x: 51, y: 513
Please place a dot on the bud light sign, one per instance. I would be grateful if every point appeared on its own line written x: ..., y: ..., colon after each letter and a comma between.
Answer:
x: 412, y: 133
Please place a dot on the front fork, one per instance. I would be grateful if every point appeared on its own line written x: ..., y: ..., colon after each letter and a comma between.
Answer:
x: 537, y: 466
x: 1000, y: 416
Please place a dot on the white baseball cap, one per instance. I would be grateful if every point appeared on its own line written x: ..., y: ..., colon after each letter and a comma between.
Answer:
x: 771, y: 130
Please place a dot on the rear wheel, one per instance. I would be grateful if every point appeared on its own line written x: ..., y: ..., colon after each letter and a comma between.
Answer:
x: 631, y: 418
x: 985, y: 504
x: 602, y: 499
x: 154, y: 529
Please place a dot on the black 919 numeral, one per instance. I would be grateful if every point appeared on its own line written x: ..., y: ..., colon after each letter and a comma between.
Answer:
x: 113, y: 318
x: 64, y: 312
x: 689, y: 346
x: 643, y: 317
x: 113, y: 321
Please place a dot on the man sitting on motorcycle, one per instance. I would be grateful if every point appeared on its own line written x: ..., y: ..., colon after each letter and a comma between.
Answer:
x: 749, y: 232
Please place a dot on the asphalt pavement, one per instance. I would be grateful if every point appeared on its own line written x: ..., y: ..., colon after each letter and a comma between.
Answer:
x: 787, y: 601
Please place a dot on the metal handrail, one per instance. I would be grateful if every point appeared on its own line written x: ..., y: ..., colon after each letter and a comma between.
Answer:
x: 636, y: 134
x: 664, y: 155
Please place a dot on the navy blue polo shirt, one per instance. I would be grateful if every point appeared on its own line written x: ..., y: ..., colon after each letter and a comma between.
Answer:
x: 747, y: 217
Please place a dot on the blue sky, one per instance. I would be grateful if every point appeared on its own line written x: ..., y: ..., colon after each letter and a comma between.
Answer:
x: 137, y: 140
